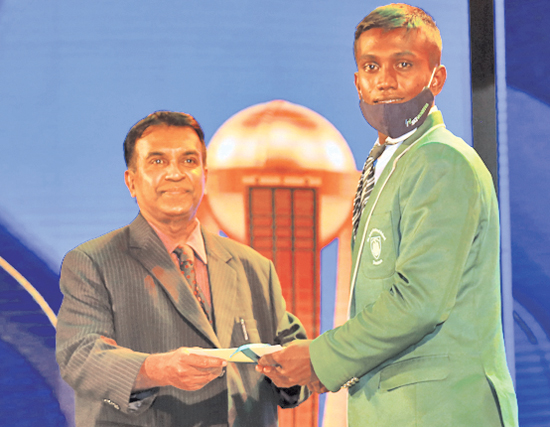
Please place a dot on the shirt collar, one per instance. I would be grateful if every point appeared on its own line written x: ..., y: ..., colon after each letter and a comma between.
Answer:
x: 195, y: 241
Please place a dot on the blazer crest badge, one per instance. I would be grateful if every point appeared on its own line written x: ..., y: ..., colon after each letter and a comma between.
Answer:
x: 376, y: 238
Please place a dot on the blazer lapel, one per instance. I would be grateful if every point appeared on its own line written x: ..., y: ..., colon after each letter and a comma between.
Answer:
x: 223, y: 284
x: 146, y: 247
x: 433, y: 119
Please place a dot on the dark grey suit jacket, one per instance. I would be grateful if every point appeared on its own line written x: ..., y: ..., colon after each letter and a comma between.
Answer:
x: 124, y: 287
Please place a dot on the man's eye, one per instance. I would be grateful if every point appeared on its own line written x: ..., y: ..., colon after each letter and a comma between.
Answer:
x: 157, y: 161
x: 370, y: 67
x: 404, y: 64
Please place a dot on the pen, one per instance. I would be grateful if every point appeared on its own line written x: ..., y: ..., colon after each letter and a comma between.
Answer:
x: 244, y: 329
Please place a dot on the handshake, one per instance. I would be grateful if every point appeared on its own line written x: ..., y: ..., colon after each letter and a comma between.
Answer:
x: 291, y: 366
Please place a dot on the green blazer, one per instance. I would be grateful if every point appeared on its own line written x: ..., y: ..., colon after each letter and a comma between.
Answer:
x: 424, y: 343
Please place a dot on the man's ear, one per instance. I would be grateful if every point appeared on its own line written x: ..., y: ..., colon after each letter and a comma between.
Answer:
x: 356, y: 82
x: 205, y: 178
x: 440, y: 76
x: 129, y: 180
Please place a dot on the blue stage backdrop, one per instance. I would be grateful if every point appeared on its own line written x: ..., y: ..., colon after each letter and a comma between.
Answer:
x: 528, y: 112
x: 76, y: 75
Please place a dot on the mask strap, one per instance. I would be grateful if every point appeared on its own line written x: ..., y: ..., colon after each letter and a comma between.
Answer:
x: 432, y: 77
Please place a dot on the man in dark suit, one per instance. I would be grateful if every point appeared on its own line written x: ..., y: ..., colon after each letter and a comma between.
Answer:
x: 136, y: 299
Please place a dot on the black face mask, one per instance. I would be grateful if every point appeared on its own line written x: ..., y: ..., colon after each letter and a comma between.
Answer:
x: 396, y: 119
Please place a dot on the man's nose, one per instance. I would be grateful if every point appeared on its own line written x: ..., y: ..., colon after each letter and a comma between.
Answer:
x: 386, y: 79
x: 174, y: 171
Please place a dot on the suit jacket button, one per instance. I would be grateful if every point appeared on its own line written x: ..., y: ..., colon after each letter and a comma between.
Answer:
x: 351, y: 382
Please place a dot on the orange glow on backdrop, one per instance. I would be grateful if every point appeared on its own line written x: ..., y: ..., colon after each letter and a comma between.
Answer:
x: 282, y: 180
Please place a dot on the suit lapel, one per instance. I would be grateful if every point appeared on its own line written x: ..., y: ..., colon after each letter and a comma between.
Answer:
x: 223, y: 284
x: 146, y: 247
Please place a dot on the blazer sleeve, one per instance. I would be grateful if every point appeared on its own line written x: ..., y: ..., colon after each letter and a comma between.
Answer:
x: 440, y: 204
x: 89, y: 358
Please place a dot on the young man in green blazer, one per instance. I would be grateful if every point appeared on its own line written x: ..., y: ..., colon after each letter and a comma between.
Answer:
x: 424, y: 344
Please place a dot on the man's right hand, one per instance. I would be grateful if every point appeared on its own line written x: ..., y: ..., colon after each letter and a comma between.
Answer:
x: 180, y: 369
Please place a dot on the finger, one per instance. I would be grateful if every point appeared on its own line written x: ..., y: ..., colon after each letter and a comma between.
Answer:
x: 321, y: 390
x: 278, y: 357
x: 204, y: 362
x: 267, y: 360
x: 215, y: 371
x: 109, y: 341
x: 199, y: 359
x: 315, y: 387
x: 263, y: 369
x: 279, y: 378
x: 199, y: 375
x: 266, y: 370
x: 196, y: 383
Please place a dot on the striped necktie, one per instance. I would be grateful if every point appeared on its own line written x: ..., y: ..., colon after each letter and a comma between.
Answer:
x: 186, y: 258
x: 366, y: 184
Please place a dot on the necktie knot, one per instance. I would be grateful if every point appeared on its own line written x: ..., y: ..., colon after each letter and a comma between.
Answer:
x: 185, y: 255
x: 376, y: 151
x: 186, y: 259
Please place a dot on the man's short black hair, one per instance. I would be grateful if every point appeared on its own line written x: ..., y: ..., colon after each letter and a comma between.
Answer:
x: 399, y: 15
x: 161, y: 118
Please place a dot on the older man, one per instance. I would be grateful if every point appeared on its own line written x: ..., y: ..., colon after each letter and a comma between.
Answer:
x: 137, y: 298
x: 423, y: 345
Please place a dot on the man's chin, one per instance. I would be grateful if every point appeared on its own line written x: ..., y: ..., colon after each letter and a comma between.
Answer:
x: 171, y: 215
x: 180, y: 214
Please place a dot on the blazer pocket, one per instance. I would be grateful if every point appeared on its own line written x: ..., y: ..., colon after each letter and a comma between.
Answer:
x: 245, y: 331
x: 415, y: 370
x: 379, y: 251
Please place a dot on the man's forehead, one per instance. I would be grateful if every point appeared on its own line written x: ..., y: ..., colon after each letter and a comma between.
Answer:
x: 404, y: 35
x: 402, y: 41
x: 170, y: 134
x: 174, y: 138
x: 160, y: 127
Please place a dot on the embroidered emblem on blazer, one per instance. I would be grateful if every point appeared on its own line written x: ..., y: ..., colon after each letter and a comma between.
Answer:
x: 376, y: 238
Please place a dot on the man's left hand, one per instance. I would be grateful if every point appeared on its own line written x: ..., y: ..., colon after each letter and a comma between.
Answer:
x: 317, y: 387
x: 291, y: 366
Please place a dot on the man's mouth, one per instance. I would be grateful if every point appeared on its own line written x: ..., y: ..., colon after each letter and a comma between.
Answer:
x: 388, y: 101
x: 175, y: 191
